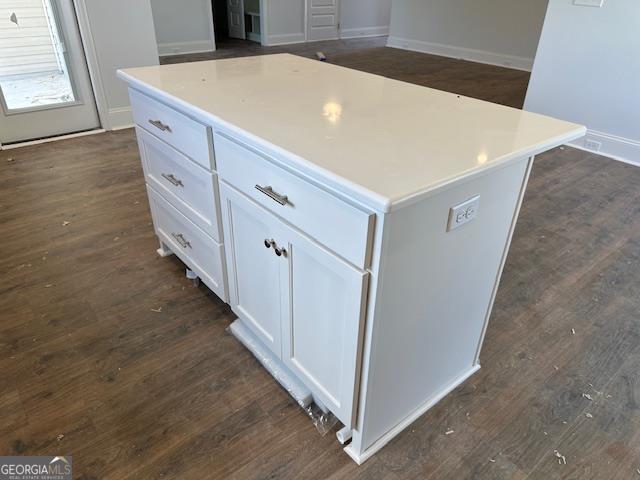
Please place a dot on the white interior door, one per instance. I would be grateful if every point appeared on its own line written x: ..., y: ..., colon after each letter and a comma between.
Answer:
x: 323, y: 20
x: 252, y: 265
x: 45, y: 89
x: 322, y: 315
x: 235, y: 11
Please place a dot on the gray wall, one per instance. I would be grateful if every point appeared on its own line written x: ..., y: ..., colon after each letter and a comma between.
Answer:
x: 122, y: 35
x: 285, y: 21
x: 503, y: 32
x: 183, y: 26
x: 364, y: 17
x: 588, y: 71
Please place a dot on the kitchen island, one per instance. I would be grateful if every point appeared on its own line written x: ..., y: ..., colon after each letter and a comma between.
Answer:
x: 356, y: 225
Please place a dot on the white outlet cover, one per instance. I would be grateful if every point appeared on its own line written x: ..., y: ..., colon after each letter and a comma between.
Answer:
x: 592, y: 145
x: 463, y: 213
x: 589, y: 3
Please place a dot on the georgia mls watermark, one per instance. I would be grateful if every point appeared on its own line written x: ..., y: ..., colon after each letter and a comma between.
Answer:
x: 35, y: 468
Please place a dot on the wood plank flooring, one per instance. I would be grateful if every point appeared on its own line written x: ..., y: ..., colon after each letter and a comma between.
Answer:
x: 109, y: 354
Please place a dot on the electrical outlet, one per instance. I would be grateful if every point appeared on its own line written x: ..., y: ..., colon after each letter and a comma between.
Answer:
x: 463, y: 213
x: 592, y: 145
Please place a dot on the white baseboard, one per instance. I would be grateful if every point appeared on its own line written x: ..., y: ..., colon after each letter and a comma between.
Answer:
x: 273, y: 40
x: 51, y: 139
x: 123, y: 127
x: 117, y: 118
x: 179, y: 48
x: 364, y: 32
x: 480, y: 56
x: 618, y: 148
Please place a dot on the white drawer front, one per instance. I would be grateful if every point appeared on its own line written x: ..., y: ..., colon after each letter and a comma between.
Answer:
x: 189, y: 187
x: 197, y: 250
x: 341, y: 227
x: 185, y: 134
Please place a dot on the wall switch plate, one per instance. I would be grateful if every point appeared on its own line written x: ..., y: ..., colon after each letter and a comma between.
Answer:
x: 463, y: 213
x: 592, y: 145
x: 588, y: 3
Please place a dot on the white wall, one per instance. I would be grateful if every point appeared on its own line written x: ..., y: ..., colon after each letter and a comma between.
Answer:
x: 285, y: 21
x: 500, y: 32
x: 184, y: 26
x: 588, y: 71
x: 116, y: 34
x: 364, y: 18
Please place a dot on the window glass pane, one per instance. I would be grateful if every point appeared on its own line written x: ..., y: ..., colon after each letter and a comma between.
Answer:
x: 33, y: 70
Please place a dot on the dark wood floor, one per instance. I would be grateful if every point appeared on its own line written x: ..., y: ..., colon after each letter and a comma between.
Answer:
x: 107, y: 352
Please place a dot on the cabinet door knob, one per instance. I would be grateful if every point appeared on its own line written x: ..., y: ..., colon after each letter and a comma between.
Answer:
x: 269, y: 243
x: 281, y: 252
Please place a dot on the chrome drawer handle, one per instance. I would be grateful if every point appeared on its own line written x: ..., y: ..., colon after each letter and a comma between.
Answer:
x: 159, y: 125
x: 184, y: 243
x: 173, y: 180
x: 268, y: 191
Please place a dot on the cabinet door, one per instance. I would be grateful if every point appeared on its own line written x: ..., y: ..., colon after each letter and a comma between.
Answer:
x: 253, y: 269
x: 323, y: 300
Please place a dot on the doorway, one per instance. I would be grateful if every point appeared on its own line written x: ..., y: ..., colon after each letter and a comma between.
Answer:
x: 238, y: 20
x: 45, y: 88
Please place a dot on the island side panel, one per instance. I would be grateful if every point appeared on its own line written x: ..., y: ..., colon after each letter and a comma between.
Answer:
x: 431, y: 307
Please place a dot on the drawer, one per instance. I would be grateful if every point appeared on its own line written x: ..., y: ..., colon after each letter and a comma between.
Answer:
x: 188, y: 187
x: 181, y: 132
x: 196, y: 249
x: 340, y: 226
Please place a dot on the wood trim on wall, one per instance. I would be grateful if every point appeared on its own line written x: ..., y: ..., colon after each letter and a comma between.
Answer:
x: 264, y: 39
x: 91, y: 56
x: 212, y: 32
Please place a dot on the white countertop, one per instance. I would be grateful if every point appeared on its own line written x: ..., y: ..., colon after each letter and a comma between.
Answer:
x: 387, y: 141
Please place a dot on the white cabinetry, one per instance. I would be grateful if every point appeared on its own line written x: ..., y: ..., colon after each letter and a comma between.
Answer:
x: 302, y: 301
x: 323, y: 299
x: 326, y: 206
x: 177, y: 159
x: 254, y: 269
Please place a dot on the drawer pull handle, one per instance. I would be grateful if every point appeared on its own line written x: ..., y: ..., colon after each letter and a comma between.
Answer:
x: 159, y: 125
x: 268, y: 191
x: 173, y: 180
x: 181, y: 240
